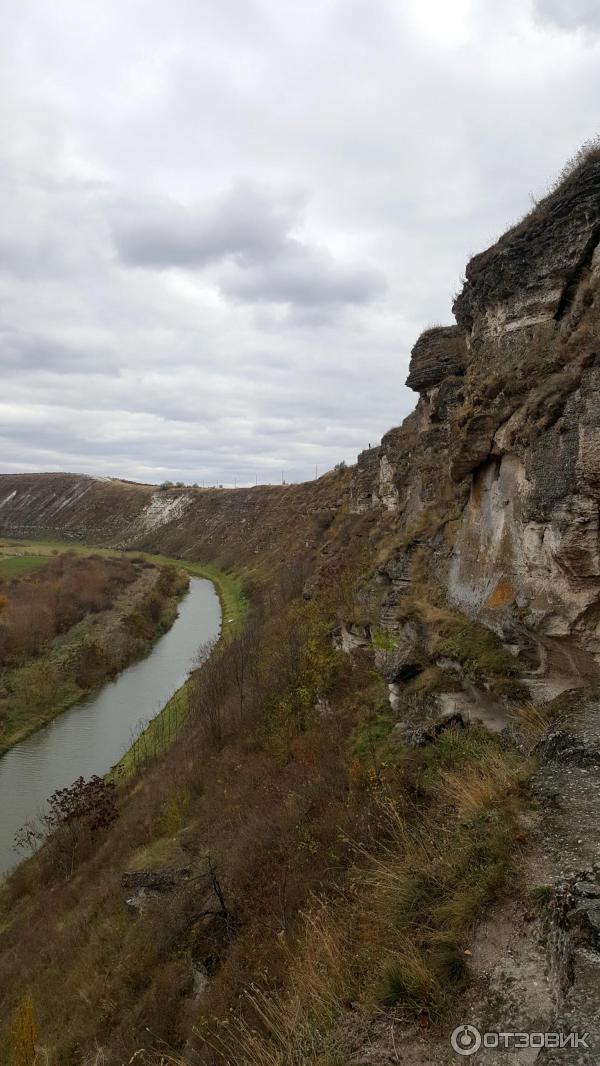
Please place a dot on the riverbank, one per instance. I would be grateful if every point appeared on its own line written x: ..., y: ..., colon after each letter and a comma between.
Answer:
x: 90, y: 737
x: 163, y: 727
x: 229, y: 587
x: 78, y: 662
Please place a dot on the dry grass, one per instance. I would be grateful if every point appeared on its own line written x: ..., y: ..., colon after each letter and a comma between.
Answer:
x: 475, y: 790
x: 348, y: 895
x: 397, y: 936
x: 533, y: 722
x: 297, y: 1029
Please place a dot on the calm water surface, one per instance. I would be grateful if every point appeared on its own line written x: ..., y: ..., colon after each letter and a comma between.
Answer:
x: 92, y: 736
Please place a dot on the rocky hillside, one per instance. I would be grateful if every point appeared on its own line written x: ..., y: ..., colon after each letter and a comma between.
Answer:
x: 254, y: 529
x: 461, y: 559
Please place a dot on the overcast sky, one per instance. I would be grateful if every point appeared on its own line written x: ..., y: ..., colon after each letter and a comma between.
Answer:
x: 225, y: 222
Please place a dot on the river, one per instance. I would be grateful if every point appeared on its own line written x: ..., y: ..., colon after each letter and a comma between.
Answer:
x: 92, y: 736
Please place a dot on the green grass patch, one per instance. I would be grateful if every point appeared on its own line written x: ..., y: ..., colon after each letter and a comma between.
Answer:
x: 370, y: 739
x: 476, y: 648
x: 15, y: 565
x: 383, y: 641
x: 156, y: 737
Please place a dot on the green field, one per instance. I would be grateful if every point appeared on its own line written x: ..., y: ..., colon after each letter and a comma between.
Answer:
x: 15, y: 565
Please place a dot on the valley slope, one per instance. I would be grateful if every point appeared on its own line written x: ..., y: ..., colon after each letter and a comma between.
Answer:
x: 441, y: 601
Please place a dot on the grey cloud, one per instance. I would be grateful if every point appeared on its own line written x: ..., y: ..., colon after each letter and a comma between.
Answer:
x: 570, y: 14
x: 243, y: 222
x: 22, y: 350
x: 253, y: 230
x: 305, y: 276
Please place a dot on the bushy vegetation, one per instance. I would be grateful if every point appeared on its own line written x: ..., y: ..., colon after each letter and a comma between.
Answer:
x: 50, y: 601
x: 73, y: 817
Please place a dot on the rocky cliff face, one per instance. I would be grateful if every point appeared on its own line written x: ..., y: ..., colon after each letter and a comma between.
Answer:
x: 497, y: 471
x: 531, y: 276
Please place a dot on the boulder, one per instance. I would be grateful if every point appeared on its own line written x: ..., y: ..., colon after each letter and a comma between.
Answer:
x: 439, y: 353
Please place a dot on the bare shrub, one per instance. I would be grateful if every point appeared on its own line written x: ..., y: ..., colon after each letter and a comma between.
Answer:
x: 73, y: 817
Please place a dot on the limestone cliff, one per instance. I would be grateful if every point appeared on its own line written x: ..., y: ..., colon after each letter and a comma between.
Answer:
x: 498, y: 469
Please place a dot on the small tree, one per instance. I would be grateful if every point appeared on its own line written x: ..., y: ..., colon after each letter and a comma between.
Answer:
x: 23, y: 1033
x: 90, y: 801
x: 69, y: 826
x: 242, y: 654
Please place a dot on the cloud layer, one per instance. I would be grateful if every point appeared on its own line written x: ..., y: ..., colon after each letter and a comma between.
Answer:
x: 249, y: 231
x: 224, y: 225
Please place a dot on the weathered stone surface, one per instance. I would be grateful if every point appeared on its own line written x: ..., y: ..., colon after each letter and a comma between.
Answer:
x: 589, y: 889
x: 365, y: 480
x: 530, y: 274
x: 474, y: 445
x: 404, y: 660
x: 351, y: 637
x: 396, y: 569
x: 507, y: 557
x: 439, y: 353
x: 444, y: 399
x: 154, y: 880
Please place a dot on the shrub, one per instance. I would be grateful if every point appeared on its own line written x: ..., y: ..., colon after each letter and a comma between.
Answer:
x: 92, y: 801
x: 91, y: 665
x: 74, y: 816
